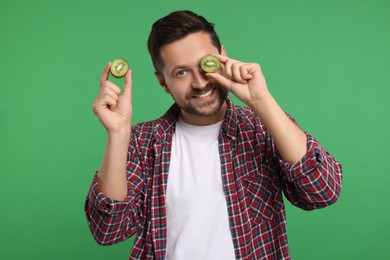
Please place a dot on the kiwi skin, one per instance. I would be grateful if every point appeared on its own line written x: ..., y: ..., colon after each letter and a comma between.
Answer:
x: 119, y: 68
x: 210, y: 63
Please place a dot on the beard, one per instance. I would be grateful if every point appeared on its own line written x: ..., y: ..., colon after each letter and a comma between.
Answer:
x: 205, y: 109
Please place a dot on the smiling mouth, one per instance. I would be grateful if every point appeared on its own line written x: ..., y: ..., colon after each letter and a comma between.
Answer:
x: 204, y: 95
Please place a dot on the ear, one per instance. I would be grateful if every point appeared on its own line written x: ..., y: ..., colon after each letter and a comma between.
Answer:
x: 161, y: 81
x: 223, y: 50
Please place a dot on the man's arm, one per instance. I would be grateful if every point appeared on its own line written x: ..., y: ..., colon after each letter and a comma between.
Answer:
x: 246, y: 82
x: 312, y: 176
x: 111, y: 207
x: 114, y: 110
x: 288, y: 137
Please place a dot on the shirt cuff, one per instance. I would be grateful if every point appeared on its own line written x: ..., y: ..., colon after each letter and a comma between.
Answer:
x: 104, y: 204
x: 309, y: 162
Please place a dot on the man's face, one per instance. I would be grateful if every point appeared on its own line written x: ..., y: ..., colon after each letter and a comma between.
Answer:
x: 200, y: 101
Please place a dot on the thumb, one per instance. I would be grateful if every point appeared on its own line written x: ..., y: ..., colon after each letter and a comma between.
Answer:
x: 222, y: 80
x: 128, y: 85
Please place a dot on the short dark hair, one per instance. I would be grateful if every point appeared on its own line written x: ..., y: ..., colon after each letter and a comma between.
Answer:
x: 176, y: 26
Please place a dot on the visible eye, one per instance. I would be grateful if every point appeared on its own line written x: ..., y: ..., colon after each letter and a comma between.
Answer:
x: 181, y: 73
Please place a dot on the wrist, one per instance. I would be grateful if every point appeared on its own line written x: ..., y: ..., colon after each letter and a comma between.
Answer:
x: 121, y: 133
x: 261, y: 103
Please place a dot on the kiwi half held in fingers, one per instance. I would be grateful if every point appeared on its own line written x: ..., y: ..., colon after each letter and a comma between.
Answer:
x: 119, y: 67
x: 210, y: 63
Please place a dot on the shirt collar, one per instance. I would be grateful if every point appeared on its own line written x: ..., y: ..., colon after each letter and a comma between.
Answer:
x: 229, y: 126
x: 166, y: 123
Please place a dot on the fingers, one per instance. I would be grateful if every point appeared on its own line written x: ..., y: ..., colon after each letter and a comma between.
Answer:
x: 105, y: 83
x: 106, y: 72
x: 222, y: 80
x: 109, y: 86
x: 221, y: 58
x: 110, y: 101
x: 236, y: 70
x: 127, y: 88
x: 107, y: 98
x: 128, y: 85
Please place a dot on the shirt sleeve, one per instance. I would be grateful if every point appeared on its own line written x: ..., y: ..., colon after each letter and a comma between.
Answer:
x: 111, y: 221
x: 315, y: 181
x: 104, y: 204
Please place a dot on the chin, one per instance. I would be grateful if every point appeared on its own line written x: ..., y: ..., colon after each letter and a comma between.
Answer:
x: 209, y: 109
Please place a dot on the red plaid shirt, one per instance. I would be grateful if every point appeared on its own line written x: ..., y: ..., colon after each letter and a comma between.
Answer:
x: 253, y: 174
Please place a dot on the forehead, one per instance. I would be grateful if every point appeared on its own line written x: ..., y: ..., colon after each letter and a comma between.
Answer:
x: 187, y: 51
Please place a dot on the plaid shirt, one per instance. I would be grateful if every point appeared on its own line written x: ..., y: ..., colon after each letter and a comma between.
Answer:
x: 254, y: 176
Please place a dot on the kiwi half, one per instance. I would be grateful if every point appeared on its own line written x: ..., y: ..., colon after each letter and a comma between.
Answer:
x: 210, y: 63
x: 119, y: 67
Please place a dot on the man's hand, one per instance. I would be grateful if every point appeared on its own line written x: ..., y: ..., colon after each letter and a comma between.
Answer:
x: 113, y: 108
x: 244, y: 80
x: 247, y: 83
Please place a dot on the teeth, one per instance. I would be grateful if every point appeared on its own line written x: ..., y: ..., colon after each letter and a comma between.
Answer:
x: 205, y: 94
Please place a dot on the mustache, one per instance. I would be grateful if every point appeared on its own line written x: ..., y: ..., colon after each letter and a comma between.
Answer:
x: 196, y: 92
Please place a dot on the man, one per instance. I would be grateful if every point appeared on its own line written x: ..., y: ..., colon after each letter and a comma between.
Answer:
x: 204, y: 181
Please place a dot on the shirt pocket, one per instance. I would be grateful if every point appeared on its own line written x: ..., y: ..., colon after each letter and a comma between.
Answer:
x: 263, y: 195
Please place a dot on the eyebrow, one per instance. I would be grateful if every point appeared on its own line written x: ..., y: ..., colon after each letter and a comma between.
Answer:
x: 178, y: 67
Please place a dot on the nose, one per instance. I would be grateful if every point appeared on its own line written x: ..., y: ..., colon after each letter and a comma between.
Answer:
x: 199, y: 79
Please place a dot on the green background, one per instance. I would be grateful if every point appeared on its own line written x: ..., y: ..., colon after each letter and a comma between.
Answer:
x: 326, y: 62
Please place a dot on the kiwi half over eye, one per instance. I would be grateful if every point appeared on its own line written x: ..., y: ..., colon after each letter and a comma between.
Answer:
x: 119, y: 67
x: 210, y: 63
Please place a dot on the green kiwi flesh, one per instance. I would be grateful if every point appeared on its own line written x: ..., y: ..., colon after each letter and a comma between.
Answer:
x: 210, y: 63
x: 119, y: 67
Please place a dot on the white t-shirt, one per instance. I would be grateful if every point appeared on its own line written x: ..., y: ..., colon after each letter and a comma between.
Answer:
x: 197, y: 217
